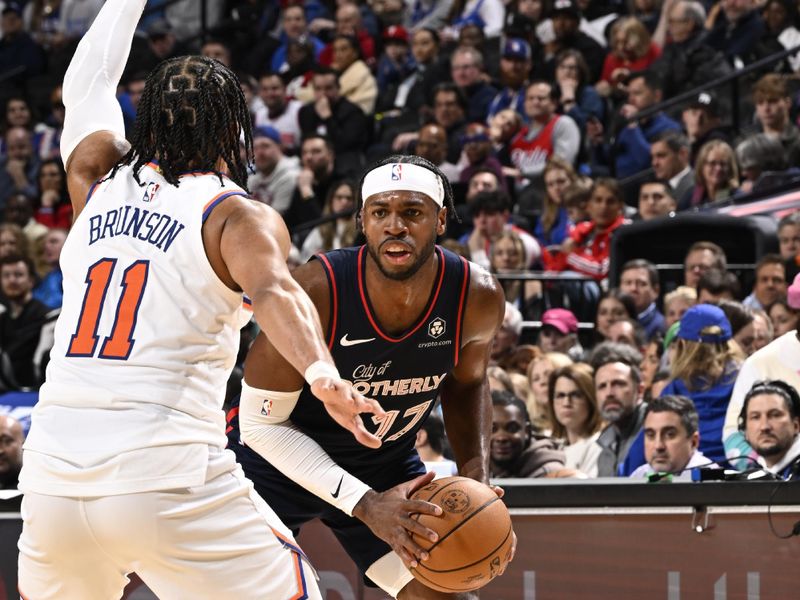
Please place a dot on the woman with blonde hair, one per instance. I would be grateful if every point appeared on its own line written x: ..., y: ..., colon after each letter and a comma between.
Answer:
x: 553, y: 225
x: 572, y: 409
x: 632, y: 50
x: 716, y: 175
x: 539, y: 371
x: 704, y: 367
x: 508, y: 256
x: 678, y: 302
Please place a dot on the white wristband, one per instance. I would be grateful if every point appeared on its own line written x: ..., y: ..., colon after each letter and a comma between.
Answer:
x: 319, y: 369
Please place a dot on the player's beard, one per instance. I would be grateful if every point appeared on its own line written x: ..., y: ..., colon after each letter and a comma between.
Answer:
x: 422, y: 257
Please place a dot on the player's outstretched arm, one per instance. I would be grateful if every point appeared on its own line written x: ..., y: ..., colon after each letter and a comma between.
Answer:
x: 93, y: 139
x: 254, y: 244
x: 466, y: 403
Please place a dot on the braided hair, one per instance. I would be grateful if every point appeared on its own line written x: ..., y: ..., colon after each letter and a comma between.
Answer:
x: 411, y: 159
x: 191, y: 115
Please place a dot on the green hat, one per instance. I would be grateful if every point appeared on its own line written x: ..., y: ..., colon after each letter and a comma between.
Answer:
x: 671, y: 334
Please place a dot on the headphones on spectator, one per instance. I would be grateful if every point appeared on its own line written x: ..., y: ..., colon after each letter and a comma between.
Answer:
x: 771, y: 386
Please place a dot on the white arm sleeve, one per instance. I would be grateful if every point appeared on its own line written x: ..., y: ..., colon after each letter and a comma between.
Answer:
x: 264, y: 426
x: 90, y: 84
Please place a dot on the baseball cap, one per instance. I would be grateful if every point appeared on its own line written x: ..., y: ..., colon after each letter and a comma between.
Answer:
x: 158, y: 28
x: 475, y: 132
x: 517, y: 48
x: 699, y: 317
x: 793, y: 293
x: 14, y: 7
x: 567, y: 6
x: 561, y: 319
x: 707, y: 101
x: 395, y: 33
x: 267, y: 132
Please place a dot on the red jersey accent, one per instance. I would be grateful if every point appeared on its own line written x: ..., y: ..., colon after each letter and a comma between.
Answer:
x: 591, y: 254
x: 334, y: 297
x: 529, y: 156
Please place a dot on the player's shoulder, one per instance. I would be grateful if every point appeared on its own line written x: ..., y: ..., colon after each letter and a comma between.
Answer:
x: 483, y: 286
x: 233, y: 204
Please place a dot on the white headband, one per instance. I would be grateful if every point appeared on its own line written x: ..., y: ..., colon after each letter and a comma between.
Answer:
x: 394, y: 177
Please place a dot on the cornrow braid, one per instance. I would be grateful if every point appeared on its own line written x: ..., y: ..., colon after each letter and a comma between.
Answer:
x: 413, y: 160
x: 191, y: 115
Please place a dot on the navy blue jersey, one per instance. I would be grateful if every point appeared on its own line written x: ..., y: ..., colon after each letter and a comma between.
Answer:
x: 402, y: 372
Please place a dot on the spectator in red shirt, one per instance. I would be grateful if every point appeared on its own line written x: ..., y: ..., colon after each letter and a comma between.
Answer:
x: 348, y: 22
x: 587, y: 249
x: 55, y: 209
x: 632, y: 50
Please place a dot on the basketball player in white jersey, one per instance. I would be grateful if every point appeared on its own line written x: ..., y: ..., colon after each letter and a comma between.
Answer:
x: 125, y: 468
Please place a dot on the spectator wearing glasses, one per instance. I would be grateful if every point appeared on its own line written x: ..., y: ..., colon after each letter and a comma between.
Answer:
x: 572, y: 408
x: 716, y: 176
x: 577, y: 98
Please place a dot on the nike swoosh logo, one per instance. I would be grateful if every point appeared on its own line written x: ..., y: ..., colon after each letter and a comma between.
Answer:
x: 345, y: 342
x: 338, y: 487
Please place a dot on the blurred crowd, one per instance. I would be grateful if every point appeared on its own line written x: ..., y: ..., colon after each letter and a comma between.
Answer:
x: 546, y: 117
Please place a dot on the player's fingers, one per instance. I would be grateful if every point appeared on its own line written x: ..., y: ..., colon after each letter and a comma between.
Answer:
x: 363, y: 436
x: 416, y: 551
x: 368, y: 405
x: 411, y: 507
x: 408, y: 560
x: 417, y: 528
x: 498, y: 490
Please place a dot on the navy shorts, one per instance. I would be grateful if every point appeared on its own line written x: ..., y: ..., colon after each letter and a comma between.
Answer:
x: 295, y: 505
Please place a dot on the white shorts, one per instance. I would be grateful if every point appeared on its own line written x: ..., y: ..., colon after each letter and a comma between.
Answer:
x: 219, y: 540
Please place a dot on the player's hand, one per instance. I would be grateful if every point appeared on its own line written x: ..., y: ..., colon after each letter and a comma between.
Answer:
x: 345, y: 406
x: 388, y: 515
x: 500, y: 493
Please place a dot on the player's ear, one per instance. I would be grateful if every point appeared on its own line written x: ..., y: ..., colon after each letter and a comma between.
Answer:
x: 441, y: 221
x: 360, y: 219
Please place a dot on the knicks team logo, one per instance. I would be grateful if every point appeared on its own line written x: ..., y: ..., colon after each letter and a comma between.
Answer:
x: 150, y: 192
x: 437, y: 327
x: 397, y: 172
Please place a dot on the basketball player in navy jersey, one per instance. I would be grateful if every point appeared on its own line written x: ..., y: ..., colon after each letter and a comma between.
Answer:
x: 406, y: 322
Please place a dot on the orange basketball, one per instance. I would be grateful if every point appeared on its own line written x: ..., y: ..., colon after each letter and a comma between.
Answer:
x: 475, y: 535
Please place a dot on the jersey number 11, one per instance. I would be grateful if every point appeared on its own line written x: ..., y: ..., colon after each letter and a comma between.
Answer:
x: 119, y: 344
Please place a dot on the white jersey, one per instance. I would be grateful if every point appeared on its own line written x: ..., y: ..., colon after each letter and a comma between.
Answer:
x: 144, y: 345
x: 287, y: 123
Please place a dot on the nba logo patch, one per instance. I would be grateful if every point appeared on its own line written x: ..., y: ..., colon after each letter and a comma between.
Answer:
x: 397, y: 172
x: 150, y: 192
x: 266, y: 408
